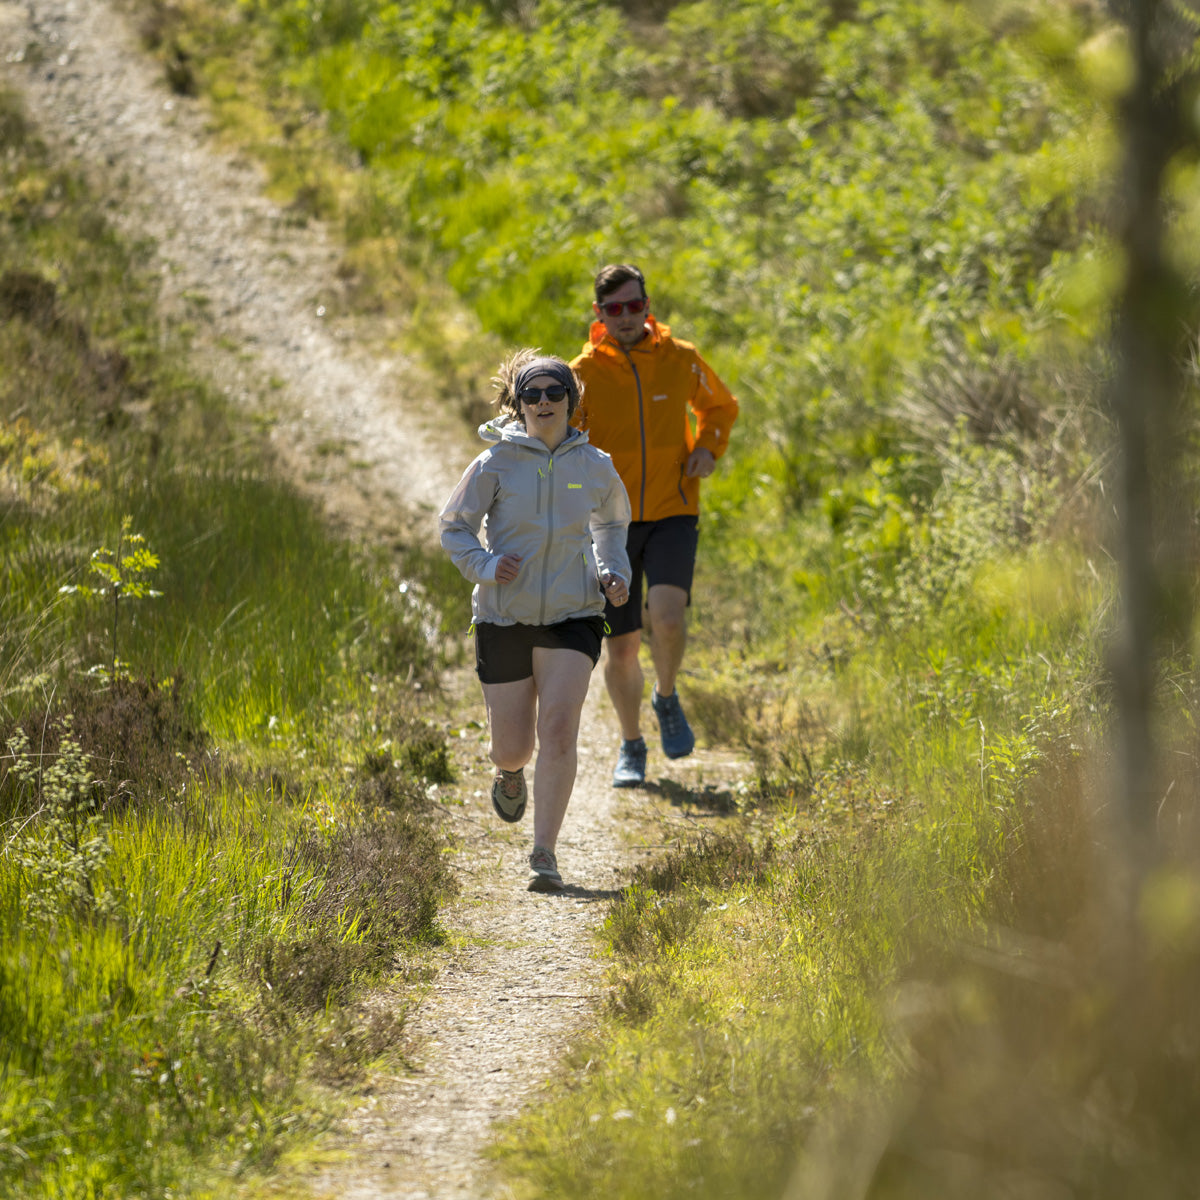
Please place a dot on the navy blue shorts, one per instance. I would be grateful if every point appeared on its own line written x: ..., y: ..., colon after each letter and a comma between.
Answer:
x: 504, y: 653
x: 664, y: 552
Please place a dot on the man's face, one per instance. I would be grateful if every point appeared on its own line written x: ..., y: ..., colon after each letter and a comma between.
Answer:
x: 625, y: 328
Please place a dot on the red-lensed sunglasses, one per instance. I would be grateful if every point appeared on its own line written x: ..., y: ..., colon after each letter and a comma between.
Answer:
x: 614, y: 308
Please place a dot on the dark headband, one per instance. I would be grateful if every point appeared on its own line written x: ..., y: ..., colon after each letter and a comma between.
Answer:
x: 554, y: 367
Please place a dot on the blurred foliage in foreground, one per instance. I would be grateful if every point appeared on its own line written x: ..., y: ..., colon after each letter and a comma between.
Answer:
x: 885, y: 224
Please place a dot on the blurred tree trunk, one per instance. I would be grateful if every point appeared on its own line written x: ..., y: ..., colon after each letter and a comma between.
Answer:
x: 1154, y: 493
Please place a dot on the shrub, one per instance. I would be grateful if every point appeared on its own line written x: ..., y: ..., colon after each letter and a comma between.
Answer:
x: 137, y: 737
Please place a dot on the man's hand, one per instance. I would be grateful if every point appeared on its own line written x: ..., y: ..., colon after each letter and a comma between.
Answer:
x: 616, y: 589
x: 507, y: 568
x: 700, y: 463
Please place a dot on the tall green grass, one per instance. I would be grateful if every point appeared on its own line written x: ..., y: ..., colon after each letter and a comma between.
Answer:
x: 261, y: 608
x: 207, y: 854
x: 757, y: 975
x: 123, y: 1056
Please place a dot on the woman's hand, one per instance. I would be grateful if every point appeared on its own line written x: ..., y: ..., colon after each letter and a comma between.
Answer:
x: 615, y: 589
x: 507, y: 568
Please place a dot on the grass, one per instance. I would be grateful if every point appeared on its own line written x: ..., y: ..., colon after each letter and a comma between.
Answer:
x: 411, y: 129
x: 898, y: 971
x: 210, y: 847
x: 913, y: 500
x: 919, y: 807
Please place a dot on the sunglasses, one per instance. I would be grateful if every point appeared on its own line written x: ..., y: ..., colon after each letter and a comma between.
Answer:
x: 531, y: 395
x: 614, y: 308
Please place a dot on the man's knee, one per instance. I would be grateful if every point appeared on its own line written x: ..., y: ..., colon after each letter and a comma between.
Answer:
x: 623, y: 650
x: 668, y: 608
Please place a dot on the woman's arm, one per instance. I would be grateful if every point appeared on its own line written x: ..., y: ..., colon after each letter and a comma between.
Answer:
x: 460, y: 521
x: 609, y: 526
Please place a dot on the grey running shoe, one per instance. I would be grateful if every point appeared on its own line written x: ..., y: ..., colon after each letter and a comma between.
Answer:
x: 509, y: 795
x: 545, y: 871
x: 678, y: 741
x: 630, y: 770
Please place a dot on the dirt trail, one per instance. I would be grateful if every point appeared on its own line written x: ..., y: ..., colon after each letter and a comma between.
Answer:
x: 258, y: 285
x: 497, y: 1018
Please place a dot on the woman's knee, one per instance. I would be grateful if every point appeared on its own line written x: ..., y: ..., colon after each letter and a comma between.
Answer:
x: 558, y: 733
x: 511, y: 751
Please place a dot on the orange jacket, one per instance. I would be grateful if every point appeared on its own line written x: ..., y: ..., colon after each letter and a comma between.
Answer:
x: 635, y: 407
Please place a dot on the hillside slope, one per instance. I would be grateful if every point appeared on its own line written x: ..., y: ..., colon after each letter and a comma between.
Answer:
x: 256, y: 283
x: 521, y: 976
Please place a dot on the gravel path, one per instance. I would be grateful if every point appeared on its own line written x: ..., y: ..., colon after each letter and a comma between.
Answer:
x: 493, y: 1024
x: 258, y: 285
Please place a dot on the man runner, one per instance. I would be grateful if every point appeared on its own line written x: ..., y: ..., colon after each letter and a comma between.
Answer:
x: 642, y: 391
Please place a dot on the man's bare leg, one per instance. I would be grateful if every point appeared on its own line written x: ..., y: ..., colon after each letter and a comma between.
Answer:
x: 668, y: 639
x: 625, y: 682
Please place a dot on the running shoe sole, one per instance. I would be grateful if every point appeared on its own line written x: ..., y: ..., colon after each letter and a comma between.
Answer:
x: 499, y: 798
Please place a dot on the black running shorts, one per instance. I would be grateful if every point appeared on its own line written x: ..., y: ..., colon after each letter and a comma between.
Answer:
x: 664, y: 552
x: 504, y: 653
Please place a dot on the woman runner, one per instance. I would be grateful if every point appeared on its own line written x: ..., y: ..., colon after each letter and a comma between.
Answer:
x: 538, y: 524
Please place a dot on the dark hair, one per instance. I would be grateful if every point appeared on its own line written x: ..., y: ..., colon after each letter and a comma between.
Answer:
x: 609, y: 278
x: 505, y: 381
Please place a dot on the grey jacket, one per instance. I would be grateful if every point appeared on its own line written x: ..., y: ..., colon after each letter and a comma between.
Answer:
x: 565, y: 513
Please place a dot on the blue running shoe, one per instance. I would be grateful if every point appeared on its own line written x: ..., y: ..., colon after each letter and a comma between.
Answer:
x: 631, y: 765
x: 678, y: 740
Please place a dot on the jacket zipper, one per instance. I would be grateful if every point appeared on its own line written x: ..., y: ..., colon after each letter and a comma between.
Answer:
x: 549, y: 534
x: 637, y: 379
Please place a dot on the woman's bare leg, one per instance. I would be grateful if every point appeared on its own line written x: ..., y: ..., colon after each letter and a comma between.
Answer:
x: 561, y: 678
x: 511, y: 709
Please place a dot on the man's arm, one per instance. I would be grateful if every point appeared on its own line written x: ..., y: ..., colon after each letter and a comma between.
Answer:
x: 716, y: 410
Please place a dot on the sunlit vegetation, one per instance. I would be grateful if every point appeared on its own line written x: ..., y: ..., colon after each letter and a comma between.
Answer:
x: 880, y: 223
x: 886, y: 225
x: 214, y: 828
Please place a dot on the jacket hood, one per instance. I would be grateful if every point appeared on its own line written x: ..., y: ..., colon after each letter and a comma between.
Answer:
x: 509, y: 428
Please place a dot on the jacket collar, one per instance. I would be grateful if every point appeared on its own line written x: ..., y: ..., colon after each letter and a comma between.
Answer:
x: 598, y: 336
x: 508, y: 428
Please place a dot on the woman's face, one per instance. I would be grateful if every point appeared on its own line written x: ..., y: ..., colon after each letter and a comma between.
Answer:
x: 544, y: 418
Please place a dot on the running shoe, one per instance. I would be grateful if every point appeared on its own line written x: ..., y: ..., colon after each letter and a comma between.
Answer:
x: 545, y: 871
x: 630, y: 770
x: 509, y: 795
x: 678, y: 741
